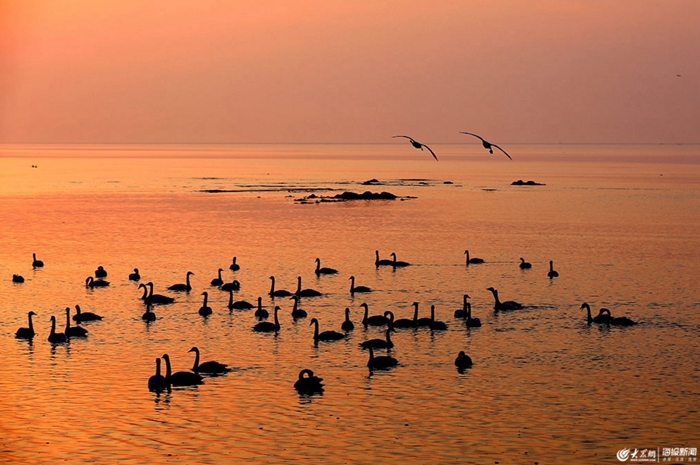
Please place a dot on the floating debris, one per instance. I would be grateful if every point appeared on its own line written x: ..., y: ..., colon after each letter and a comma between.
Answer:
x: 520, y: 182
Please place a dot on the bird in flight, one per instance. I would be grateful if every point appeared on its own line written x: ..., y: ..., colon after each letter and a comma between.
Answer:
x: 487, y: 145
x: 418, y: 145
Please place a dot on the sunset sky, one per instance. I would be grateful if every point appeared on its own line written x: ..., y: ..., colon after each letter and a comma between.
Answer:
x: 239, y: 71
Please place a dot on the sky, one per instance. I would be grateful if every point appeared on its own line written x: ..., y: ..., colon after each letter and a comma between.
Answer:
x: 356, y: 71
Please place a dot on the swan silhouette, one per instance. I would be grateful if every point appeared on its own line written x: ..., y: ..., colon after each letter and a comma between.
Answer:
x: 487, y: 145
x: 211, y: 367
x: 26, y: 333
x: 17, y: 279
x: 234, y: 266
x: 420, y: 146
x: 180, y: 378
x: 474, y: 260
x: 463, y: 360
x: 266, y: 326
x: 75, y: 331
x: 232, y: 286
x: 507, y: 305
x: 358, y: 289
x: 524, y: 265
x: 463, y: 312
x: 155, y: 298
x: 308, y: 384
x: 347, y: 324
x: 261, y: 313
x: 325, y: 336
x: 320, y: 271
x: 380, y: 361
x: 205, y: 310
x: 278, y: 292
x: 135, y: 276
x: 100, y: 272
x: 54, y: 337
x: 398, y: 264
x: 157, y: 382
x: 238, y: 304
x: 408, y: 323
x: 603, y: 316
x: 425, y: 321
x: 305, y: 292
x: 383, y: 262
x: 469, y: 321
x: 186, y: 287
x: 379, y: 343
x: 218, y: 281
x: 36, y: 263
x: 296, y: 311
x: 92, y: 283
x: 552, y: 273
x: 436, y: 325
x: 81, y: 316
x: 149, y: 315
x: 374, y: 320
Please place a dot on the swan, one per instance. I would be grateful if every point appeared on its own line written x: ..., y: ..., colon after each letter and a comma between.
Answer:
x: 17, y: 279
x: 205, y: 310
x: 347, y: 324
x: 552, y: 273
x: 36, y: 263
x: 463, y: 312
x: 210, y: 367
x: 135, y: 276
x: 239, y: 304
x: 75, y: 331
x: 26, y: 333
x: 234, y: 266
x: 55, y: 337
x: 374, y: 320
x: 380, y: 361
x: 308, y: 384
x: 305, y: 292
x: 405, y: 322
x: 149, y: 315
x: 218, y: 281
x: 354, y: 289
x: 180, y: 378
x: 469, y: 321
x: 436, y: 325
x: 266, y: 326
x: 602, y: 317
x: 296, y: 311
x: 182, y: 287
x: 234, y: 285
x: 422, y: 322
x: 616, y: 321
x: 80, y: 316
x: 100, y: 272
x: 155, y: 298
x: 396, y: 264
x: 507, y: 305
x: 383, y: 262
x: 261, y: 313
x: 157, y: 382
x: 487, y: 145
x: 320, y: 271
x: 463, y: 360
x: 326, y: 335
x: 92, y: 283
x: 279, y: 292
x: 524, y: 265
x: 418, y: 145
x: 379, y: 343
x: 473, y: 261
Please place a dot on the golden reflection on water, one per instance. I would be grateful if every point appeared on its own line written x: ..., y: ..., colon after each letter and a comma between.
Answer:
x: 545, y: 387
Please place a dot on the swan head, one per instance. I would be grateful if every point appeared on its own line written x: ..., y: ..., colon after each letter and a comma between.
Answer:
x: 415, y: 304
x: 193, y: 349
x: 364, y: 304
x: 585, y: 305
x: 31, y: 313
x: 52, y: 319
x: 189, y: 273
x: 491, y: 289
x: 206, y: 294
x: 313, y: 320
x: 389, y: 315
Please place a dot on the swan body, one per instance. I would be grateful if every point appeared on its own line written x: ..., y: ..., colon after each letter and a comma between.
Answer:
x: 507, y: 305
x: 234, y: 266
x: 26, y: 333
x: 471, y: 322
x: 383, y: 262
x: 408, y: 323
x: 210, y: 367
x: 305, y: 292
x: 487, y: 145
x: 157, y: 382
x: 17, y: 279
x: 100, y: 272
x: 320, y: 271
x: 463, y: 360
x: 135, y: 276
x: 296, y: 311
x: 36, y: 263
x: 205, y: 310
x: 420, y: 146
x: 180, y: 378
x: 54, y: 337
x: 622, y: 321
x: 92, y: 283
x: 552, y: 273
x: 308, y: 384
x: 463, y: 312
x: 398, y: 264
x: 524, y: 265
x: 238, y: 304
x: 436, y: 325
x: 474, y: 260
x: 155, y: 298
x: 325, y: 335
x: 149, y: 315
x: 234, y: 285
x: 605, y: 316
x: 81, y: 316
x: 374, y: 320
x: 358, y: 289
x: 380, y: 361
x: 74, y: 331
x: 186, y: 287
x: 347, y: 324
x: 266, y: 326
x: 379, y: 343
x: 261, y: 313
x: 218, y: 281
x: 278, y: 292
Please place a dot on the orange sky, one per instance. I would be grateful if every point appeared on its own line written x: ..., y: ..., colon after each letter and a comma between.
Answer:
x: 176, y: 71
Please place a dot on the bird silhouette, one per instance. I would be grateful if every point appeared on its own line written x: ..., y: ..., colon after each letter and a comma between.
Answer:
x: 487, y: 145
x: 418, y: 145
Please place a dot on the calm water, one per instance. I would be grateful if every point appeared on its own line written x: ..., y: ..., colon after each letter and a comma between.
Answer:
x: 621, y: 223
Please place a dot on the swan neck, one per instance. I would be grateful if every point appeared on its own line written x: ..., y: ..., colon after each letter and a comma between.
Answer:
x: 196, y: 361
x: 31, y: 326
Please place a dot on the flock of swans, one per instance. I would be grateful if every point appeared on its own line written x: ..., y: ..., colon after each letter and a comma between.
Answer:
x: 307, y: 382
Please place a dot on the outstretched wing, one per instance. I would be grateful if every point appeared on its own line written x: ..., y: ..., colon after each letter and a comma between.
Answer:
x: 407, y: 137
x: 430, y: 150
x: 494, y: 145
x: 475, y: 135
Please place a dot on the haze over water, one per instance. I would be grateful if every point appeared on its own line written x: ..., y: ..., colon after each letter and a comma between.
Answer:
x: 620, y: 223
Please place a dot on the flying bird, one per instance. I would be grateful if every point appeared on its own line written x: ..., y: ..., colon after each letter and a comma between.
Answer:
x: 487, y: 145
x: 418, y: 145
